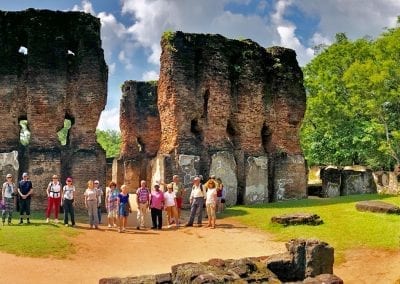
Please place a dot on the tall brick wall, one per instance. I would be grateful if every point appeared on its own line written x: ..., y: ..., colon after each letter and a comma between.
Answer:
x: 62, y: 76
x: 217, y: 95
x: 140, y: 130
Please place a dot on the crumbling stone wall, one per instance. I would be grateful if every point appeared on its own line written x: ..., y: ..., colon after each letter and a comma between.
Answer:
x: 306, y: 261
x: 62, y: 76
x: 225, y: 107
x: 346, y: 181
x: 140, y: 130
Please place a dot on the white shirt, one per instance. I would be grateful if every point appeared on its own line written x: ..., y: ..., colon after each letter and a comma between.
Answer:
x: 197, y: 192
x: 68, y: 192
x: 8, y: 189
x: 169, y: 198
x: 54, y: 190
x: 211, y: 196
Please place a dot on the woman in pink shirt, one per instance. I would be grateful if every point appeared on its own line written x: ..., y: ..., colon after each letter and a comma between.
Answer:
x: 156, y: 206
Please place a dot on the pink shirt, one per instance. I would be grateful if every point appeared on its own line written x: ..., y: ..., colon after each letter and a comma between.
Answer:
x: 157, y: 199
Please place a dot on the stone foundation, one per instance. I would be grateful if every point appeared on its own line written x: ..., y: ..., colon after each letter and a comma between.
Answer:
x: 346, y: 181
x: 307, y: 261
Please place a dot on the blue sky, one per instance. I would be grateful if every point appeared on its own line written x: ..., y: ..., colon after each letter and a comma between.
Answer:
x: 131, y: 29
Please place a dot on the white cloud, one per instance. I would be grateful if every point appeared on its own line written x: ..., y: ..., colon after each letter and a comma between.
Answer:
x: 150, y: 76
x: 356, y: 18
x: 109, y: 119
x: 289, y: 39
x: 287, y: 33
x: 111, y: 68
x: 86, y: 6
x: 154, y: 17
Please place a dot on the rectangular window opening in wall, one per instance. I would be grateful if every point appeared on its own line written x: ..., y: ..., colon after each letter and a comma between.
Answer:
x: 63, y: 134
x: 23, y: 50
x: 24, y: 133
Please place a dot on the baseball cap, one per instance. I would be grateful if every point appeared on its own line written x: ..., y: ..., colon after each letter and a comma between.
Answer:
x: 96, y: 181
x: 24, y: 174
x: 69, y: 179
x: 9, y: 176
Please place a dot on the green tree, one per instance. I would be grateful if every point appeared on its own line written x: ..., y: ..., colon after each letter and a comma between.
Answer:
x: 110, y: 141
x: 353, y: 104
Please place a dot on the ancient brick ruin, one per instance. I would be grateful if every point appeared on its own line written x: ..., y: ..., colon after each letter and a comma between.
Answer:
x: 306, y: 261
x: 226, y: 107
x: 60, y: 74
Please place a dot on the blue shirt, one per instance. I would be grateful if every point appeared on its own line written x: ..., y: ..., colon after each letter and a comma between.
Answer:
x: 25, y: 186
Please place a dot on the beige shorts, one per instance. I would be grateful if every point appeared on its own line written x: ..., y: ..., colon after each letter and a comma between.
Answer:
x: 113, y: 213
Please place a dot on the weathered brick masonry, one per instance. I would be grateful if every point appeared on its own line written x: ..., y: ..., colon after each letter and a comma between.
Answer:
x: 225, y: 107
x: 62, y: 76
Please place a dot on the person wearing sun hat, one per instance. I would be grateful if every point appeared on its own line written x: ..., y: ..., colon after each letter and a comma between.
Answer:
x: 68, y: 201
x: 25, y: 190
x: 54, y: 192
x: 8, y: 192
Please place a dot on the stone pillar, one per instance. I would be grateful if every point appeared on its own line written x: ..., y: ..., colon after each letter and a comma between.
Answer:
x: 187, y: 169
x: 356, y: 182
x: 223, y: 166
x: 256, y: 180
x: 118, y: 172
x: 331, y: 181
x: 9, y: 165
x: 290, y: 179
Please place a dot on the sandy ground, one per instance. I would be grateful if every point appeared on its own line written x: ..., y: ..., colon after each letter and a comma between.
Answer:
x: 107, y: 253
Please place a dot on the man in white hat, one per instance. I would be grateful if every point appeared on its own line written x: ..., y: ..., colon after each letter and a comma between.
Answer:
x: 197, y: 197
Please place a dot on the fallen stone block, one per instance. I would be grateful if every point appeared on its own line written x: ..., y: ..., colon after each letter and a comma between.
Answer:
x: 378, y: 207
x: 297, y: 219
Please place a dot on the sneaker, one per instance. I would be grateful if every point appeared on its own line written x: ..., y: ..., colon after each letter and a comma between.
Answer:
x: 115, y: 225
x: 47, y: 220
x: 189, y: 225
x: 109, y: 225
x: 21, y: 222
x: 66, y: 225
x: 28, y: 222
x: 56, y: 221
x: 137, y: 228
x: 119, y: 230
x: 123, y: 229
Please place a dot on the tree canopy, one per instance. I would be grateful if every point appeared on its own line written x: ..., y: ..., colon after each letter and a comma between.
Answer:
x: 353, y: 103
x: 110, y: 141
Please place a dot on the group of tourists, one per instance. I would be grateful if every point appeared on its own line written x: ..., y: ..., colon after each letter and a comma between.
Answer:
x: 8, y: 193
x: 210, y: 195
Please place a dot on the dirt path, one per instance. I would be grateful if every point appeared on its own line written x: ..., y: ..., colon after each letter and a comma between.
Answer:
x: 106, y: 253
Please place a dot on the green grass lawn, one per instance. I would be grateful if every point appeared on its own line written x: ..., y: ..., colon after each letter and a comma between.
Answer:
x: 37, y: 239
x: 344, y: 227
